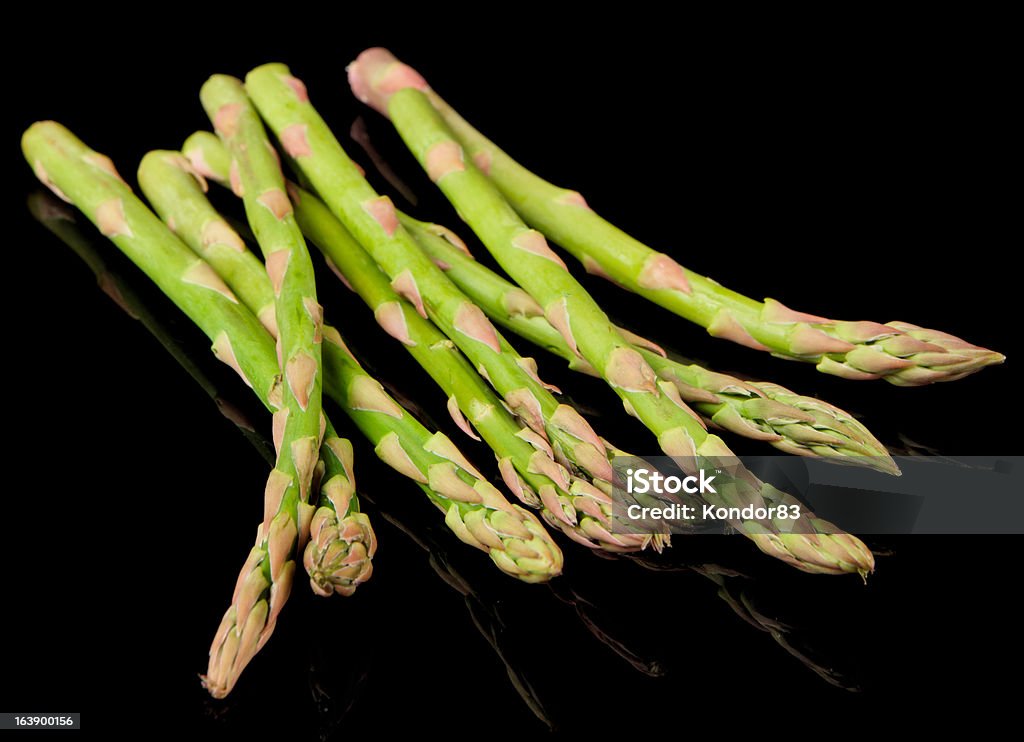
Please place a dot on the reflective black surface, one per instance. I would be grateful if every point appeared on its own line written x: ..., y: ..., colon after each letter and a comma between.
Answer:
x: 849, y: 179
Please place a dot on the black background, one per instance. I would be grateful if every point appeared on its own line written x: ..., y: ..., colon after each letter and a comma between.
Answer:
x: 852, y: 170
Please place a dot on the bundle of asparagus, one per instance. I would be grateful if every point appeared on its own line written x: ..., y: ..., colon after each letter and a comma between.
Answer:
x: 427, y: 292
x: 526, y: 463
x: 89, y: 180
x: 902, y: 353
x: 524, y: 254
x: 485, y: 520
x: 337, y: 555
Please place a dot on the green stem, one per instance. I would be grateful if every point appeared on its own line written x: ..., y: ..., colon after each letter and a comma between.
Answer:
x: 297, y: 315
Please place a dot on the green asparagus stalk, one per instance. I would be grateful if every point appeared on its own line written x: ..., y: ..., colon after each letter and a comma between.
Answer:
x: 524, y: 254
x: 372, y: 220
x: 474, y: 509
x: 759, y: 410
x: 579, y: 509
x: 297, y: 315
x: 901, y: 353
x: 89, y: 181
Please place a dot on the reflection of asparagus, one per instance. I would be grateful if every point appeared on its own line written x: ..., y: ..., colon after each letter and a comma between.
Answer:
x: 89, y: 180
x: 732, y: 588
x: 484, y: 613
x: 579, y: 509
x: 760, y: 410
x: 743, y: 603
x: 901, y: 353
x: 60, y: 220
x: 524, y: 254
x: 339, y: 672
x: 590, y: 616
x: 335, y: 697
x: 361, y: 136
x: 474, y: 509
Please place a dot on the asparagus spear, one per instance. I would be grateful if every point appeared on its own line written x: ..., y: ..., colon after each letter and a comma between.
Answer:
x: 901, y: 353
x: 524, y: 254
x: 371, y: 219
x: 579, y: 509
x: 297, y: 314
x: 760, y: 410
x: 474, y: 509
x: 88, y: 180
